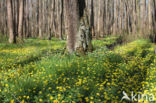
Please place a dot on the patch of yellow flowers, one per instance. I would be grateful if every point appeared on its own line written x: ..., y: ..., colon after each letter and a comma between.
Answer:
x: 94, y: 79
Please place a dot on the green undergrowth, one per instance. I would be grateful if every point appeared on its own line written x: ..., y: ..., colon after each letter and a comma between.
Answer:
x: 38, y: 71
x: 3, y: 38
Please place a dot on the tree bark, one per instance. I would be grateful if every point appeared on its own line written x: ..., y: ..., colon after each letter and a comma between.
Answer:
x: 20, y: 25
x: 10, y: 22
x: 150, y: 15
x: 78, y: 38
x: 72, y: 19
x: 142, y: 18
x: 60, y: 17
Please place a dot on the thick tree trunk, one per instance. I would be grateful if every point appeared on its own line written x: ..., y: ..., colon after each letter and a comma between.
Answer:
x: 10, y: 22
x: 78, y: 28
x: 72, y: 19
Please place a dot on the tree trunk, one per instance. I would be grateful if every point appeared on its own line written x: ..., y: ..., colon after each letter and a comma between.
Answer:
x: 60, y: 17
x: 10, y: 22
x: 134, y: 26
x: 150, y: 15
x: 20, y: 25
x: 72, y: 19
x: 78, y: 38
x: 142, y: 18
x: 121, y: 16
x: 40, y: 19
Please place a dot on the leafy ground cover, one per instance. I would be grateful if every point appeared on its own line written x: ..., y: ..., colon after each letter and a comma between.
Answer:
x: 39, y: 71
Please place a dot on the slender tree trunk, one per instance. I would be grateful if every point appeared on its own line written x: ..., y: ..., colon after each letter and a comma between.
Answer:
x: 150, y: 15
x: 99, y: 19
x: 40, y: 19
x: 134, y: 26
x: 60, y: 17
x: 38, y: 11
x: 142, y: 18
x: 121, y: 16
x: 20, y: 25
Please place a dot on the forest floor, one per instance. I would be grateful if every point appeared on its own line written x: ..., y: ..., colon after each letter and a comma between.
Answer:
x: 39, y: 71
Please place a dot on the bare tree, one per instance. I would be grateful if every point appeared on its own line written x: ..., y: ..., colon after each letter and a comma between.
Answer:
x: 77, y: 26
x: 72, y: 19
x: 10, y: 22
x: 142, y: 15
x: 60, y: 18
x: 20, y: 25
x: 47, y: 18
x: 150, y: 15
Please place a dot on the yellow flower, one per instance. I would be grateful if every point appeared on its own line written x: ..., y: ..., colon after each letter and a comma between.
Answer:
x: 12, y: 101
x: 6, y: 85
x: 22, y: 101
x: 59, y: 95
x: 28, y: 97
x: 87, y: 99
x: 92, y: 98
x: 51, y: 98
x: 40, y: 92
x: 98, y: 94
x: 40, y: 100
x: 91, y: 102
x: 55, y: 101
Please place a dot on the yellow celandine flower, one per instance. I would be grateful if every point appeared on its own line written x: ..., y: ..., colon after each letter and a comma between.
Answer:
x: 92, y: 98
x: 12, y: 101
x: 40, y: 100
x: 87, y: 99
x: 51, y: 98
x: 59, y: 95
x: 55, y: 101
x: 40, y: 92
x: 22, y: 101
x: 91, y: 102
x: 59, y: 98
x: 28, y: 97
x: 6, y: 85
x: 98, y: 94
